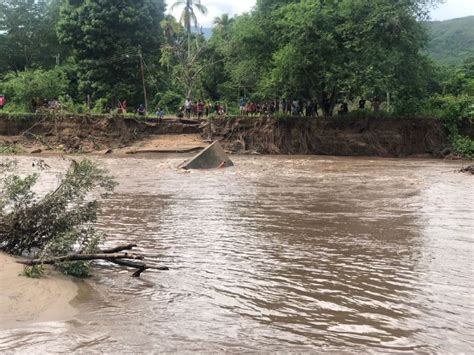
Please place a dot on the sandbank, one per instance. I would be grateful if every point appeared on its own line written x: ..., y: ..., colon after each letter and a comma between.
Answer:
x: 24, y: 301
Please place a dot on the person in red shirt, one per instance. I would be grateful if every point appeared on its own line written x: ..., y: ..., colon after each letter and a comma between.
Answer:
x: 200, y: 109
x: 2, y: 101
x: 122, y: 107
x: 253, y: 109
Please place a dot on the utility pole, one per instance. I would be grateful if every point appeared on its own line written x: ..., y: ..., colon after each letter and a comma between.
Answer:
x: 143, y: 78
x: 57, y: 58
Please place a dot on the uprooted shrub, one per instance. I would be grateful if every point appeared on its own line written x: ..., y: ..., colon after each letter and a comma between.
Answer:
x: 58, y: 223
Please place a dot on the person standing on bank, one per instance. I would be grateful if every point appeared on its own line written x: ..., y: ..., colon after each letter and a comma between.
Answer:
x: 188, y: 106
x: 242, y: 106
x: 376, y: 104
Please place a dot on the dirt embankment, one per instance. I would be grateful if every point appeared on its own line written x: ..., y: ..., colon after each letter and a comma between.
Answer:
x: 386, y: 137
x: 336, y: 136
x: 85, y: 133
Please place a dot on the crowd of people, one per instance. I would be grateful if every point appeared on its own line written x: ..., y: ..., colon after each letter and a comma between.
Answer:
x: 295, y: 107
x: 200, y: 109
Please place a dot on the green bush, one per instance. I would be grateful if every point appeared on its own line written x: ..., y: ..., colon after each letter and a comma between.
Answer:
x: 57, y: 224
x: 34, y: 272
x: 463, y: 146
x: 81, y: 269
x: 450, y: 108
x: 20, y: 88
x: 454, y: 112
x: 409, y: 107
x: 100, y: 105
x: 170, y: 101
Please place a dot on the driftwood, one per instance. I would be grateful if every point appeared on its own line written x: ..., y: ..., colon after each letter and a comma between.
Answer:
x: 139, y: 266
x: 111, y: 255
x: 79, y: 257
x: 119, y: 248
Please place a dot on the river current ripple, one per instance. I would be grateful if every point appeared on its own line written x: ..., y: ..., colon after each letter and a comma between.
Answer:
x: 277, y: 254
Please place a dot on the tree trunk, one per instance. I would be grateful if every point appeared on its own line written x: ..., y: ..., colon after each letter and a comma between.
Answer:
x: 79, y: 257
x: 110, y: 255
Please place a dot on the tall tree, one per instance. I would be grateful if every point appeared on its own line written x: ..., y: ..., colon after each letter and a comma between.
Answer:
x: 26, y: 38
x: 188, y: 16
x: 328, y: 49
x: 107, y: 37
x: 223, y: 22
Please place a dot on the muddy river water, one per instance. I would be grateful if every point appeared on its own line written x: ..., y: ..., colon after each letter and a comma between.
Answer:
x: 277, y: 254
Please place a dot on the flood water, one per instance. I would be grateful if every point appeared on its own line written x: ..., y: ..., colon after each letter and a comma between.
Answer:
x: 277, y: 254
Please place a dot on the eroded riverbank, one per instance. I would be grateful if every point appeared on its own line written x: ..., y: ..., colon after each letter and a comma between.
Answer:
x: 340, y: 136
x: 278, y: 253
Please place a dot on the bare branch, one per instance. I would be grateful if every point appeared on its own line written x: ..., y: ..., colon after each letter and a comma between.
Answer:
x: 119, y: 248
x: 79, y: 257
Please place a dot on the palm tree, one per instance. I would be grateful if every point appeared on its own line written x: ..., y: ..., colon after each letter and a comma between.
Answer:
x: 188, y: 16
x: 223, y: 22
x: 170, y: 27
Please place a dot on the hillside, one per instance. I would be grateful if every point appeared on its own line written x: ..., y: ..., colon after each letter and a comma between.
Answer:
x: 452, y: 41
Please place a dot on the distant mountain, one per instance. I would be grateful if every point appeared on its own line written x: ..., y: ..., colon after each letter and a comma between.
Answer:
x: 452, y: 41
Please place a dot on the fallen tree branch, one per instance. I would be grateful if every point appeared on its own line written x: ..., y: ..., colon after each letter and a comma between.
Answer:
x: 110, y: 255
x: 79, y: 257
x: 139, y: 266
x: 118, y: 248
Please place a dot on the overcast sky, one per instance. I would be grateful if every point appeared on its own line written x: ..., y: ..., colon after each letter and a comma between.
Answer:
x: 450, y: 9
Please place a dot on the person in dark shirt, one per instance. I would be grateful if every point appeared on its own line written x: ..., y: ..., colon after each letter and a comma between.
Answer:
x: 344, y: 109
x: 141, y: 110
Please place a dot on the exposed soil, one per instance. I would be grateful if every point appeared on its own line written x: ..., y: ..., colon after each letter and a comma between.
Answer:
x: 86, y: 134
x: 336, y: 136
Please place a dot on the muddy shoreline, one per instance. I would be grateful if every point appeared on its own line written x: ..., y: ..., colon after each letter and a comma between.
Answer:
x: 25, y: 301
x: 339, y: 136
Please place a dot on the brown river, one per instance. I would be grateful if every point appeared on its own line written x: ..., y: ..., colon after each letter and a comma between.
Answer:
x: 277, y: 254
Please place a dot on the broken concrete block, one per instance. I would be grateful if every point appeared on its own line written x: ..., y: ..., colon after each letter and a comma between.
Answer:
x: 210, y: 158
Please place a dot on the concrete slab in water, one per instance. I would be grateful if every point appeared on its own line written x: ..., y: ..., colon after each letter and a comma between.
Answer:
x: 210, y: 158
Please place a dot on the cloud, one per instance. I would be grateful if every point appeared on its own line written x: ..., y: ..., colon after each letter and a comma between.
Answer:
x: 218, y: 7
x: 453, y: 9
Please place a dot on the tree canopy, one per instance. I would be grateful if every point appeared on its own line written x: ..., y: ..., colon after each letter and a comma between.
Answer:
x: 322, y: 50
x: 106, y: 38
